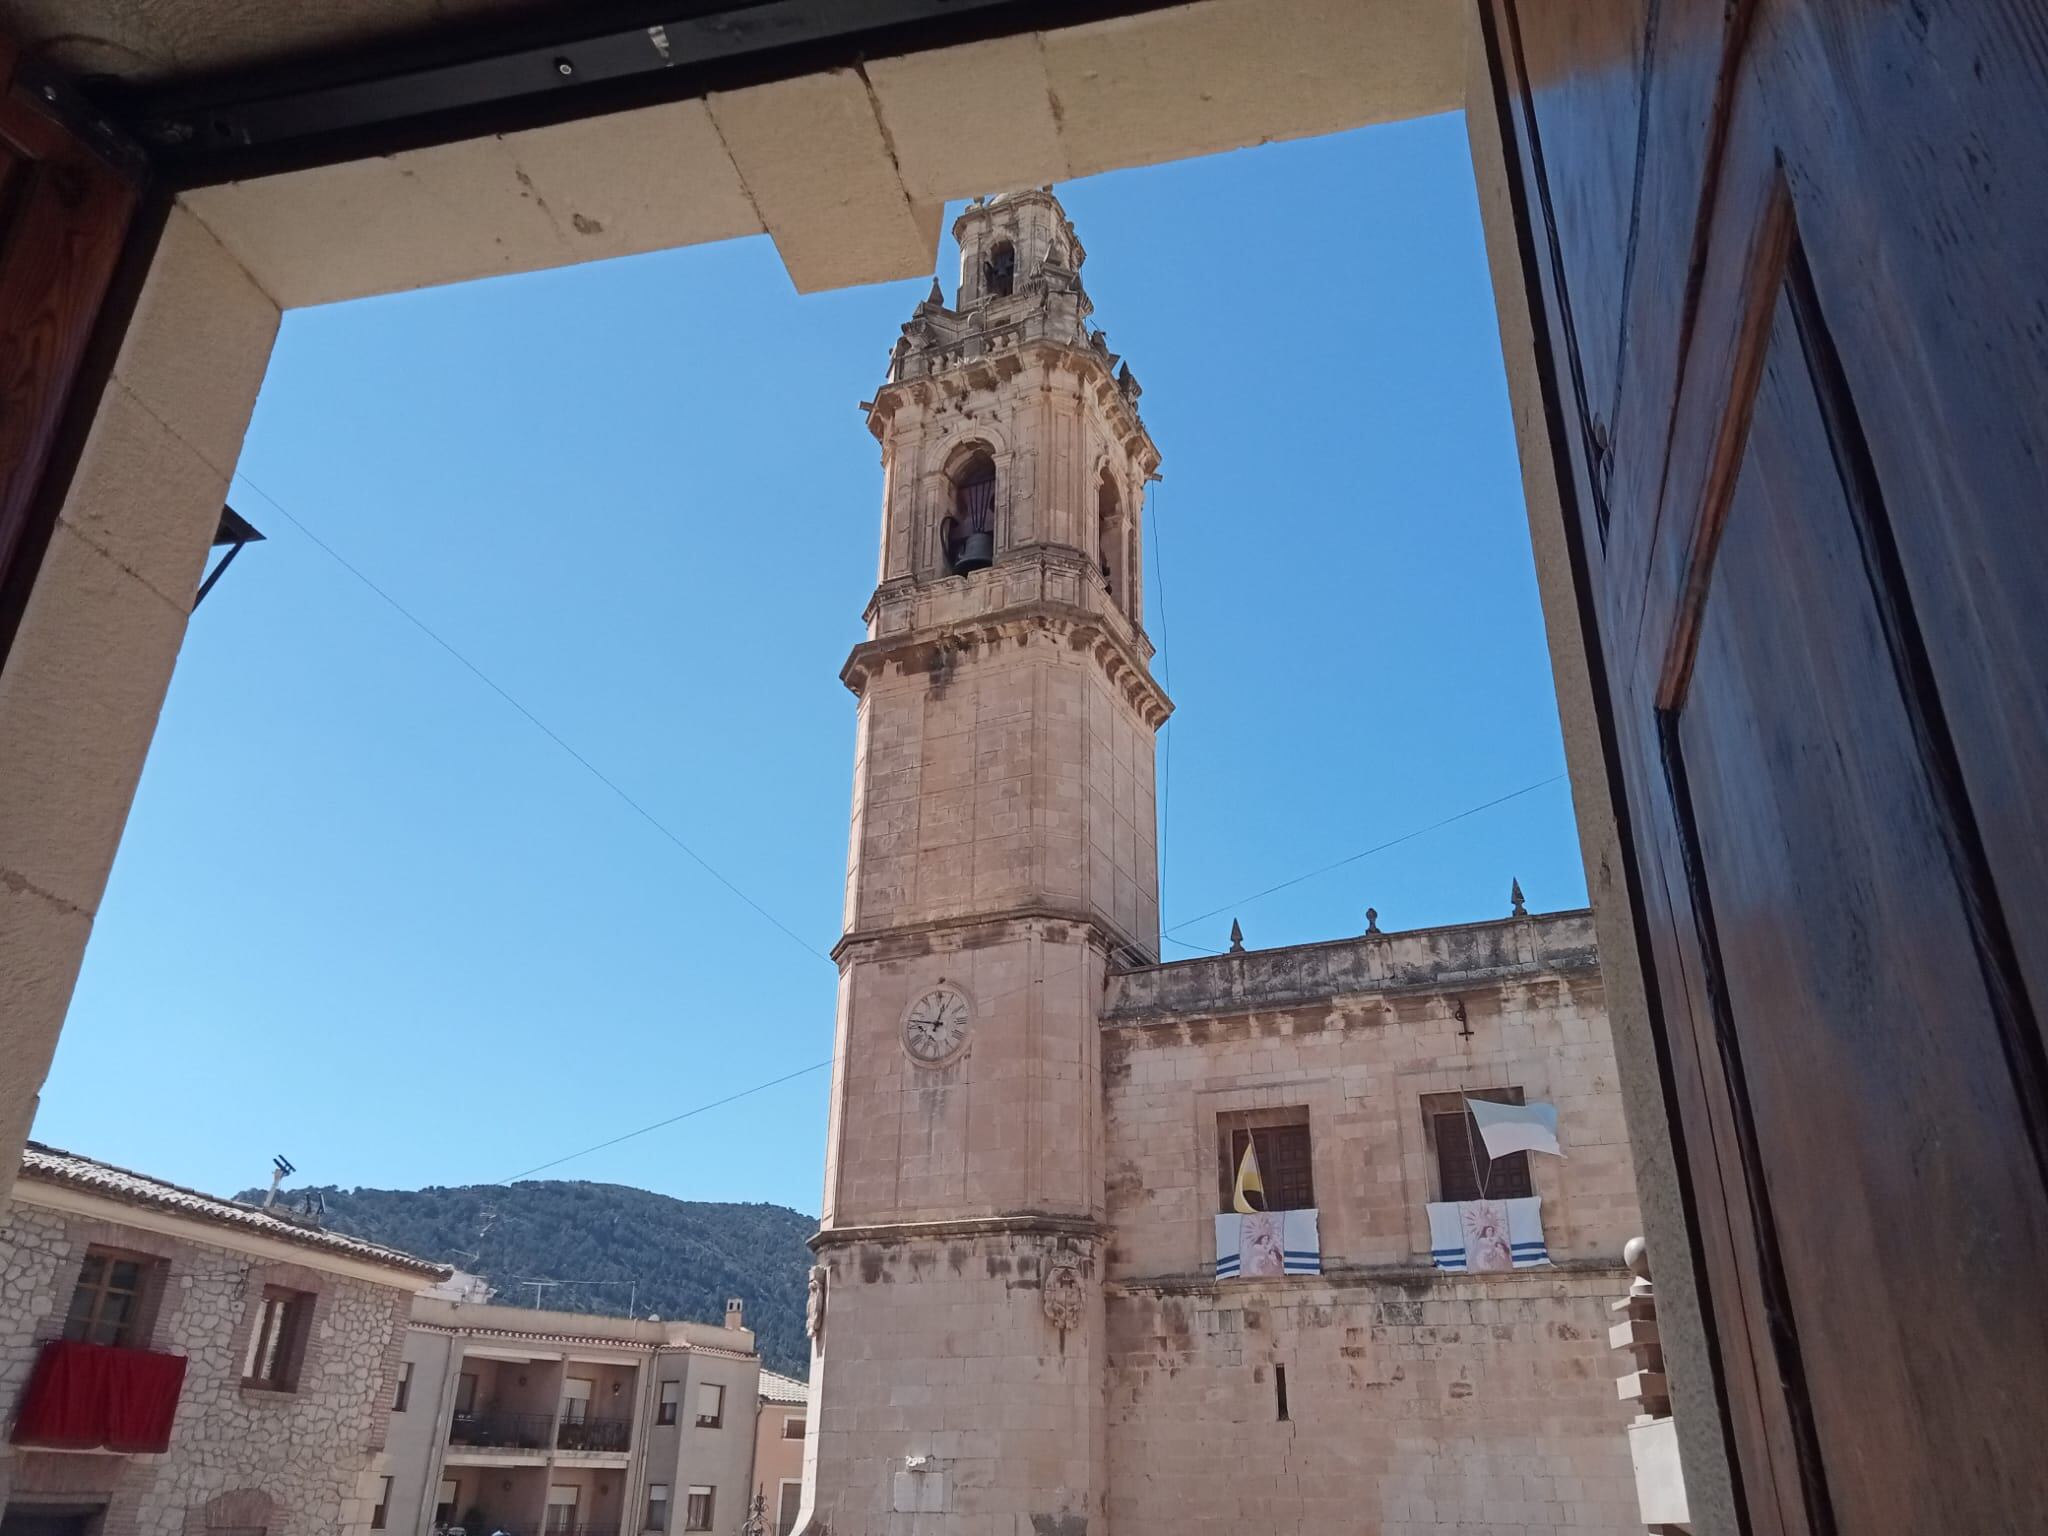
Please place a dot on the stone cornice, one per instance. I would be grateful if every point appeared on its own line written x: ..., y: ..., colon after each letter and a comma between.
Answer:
x: 1018, y: 1223
x: 916, y: 937
x: 1445, y: 961
x: 1008, y: 350
x: 932, y: 649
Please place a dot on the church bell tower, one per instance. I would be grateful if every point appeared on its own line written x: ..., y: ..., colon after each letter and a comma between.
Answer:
x: 1002, y: 858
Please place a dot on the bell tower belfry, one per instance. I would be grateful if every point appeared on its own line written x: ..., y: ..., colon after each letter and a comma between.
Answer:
x: 1001, y: 859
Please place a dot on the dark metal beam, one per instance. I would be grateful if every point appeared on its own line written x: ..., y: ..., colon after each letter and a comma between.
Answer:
x: 556, y: 63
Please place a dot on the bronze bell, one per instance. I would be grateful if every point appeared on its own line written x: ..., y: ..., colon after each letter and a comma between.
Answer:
x: 976, y: 551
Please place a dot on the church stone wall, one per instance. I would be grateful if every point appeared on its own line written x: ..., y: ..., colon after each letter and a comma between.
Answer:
x: 947, y: 1395
x: 1417, y: 1401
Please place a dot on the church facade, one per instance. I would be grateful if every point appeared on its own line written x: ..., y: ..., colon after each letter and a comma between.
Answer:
x: 1036, y: 1309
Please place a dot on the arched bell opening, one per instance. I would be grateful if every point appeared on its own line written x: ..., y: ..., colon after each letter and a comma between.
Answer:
x: 967, y: 536
x: 1112, y: 542
x: 999, y: 271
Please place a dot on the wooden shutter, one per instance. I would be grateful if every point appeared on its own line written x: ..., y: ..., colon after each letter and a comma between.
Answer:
x: 1786, y: 265
x: 1465, y: 1172
x: 1284, y: 1166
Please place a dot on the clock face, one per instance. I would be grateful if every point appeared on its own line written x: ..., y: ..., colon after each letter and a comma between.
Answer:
x: 936, y: 1026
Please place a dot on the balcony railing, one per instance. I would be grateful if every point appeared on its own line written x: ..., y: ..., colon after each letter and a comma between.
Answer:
x: 491, y: 1429
x: 594, y: 1435
x: 582, y: 1530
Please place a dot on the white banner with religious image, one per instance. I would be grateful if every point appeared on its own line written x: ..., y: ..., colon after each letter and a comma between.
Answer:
x: 1267, y: 1243
x: 1478, y: 1236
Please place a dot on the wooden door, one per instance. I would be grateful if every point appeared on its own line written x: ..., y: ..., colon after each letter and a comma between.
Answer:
x: 1789, y: 262
x: 64, y: 212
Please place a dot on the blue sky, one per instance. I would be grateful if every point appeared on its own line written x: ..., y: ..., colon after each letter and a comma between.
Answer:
x: 367, y: 915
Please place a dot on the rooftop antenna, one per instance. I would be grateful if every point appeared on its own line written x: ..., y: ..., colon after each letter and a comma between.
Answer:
x: 538, y: 1287
x: 280, y: 1169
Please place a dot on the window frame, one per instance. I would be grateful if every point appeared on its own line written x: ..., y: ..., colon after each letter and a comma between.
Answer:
x: 647, y: 1520
x: 710, y: 1497
x: 800, y: 1421
x: 453, y: 1503
x: 133, y: 1331
x: 1504, y: 1178
x: 667, y: 1409
x: 716, y: 1418
x: 1262, y: 1127
x: 402, y: 1395
x: 282, y: 1325
x: 782, y: 1487
x: 381, y: 1514
x: 466, y: 1385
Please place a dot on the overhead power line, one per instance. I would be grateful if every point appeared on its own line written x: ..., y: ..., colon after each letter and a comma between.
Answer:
x: 532, y: 719
x: 818, y: 1066
x: 730, y: 1098
x: 1245, y: 901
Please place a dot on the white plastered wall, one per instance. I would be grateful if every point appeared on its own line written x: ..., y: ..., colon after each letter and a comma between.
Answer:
x: 847, y: 172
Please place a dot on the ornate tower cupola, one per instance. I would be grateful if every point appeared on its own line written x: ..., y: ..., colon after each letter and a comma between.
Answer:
x: 1009, y: 429
x: 1001, y: 860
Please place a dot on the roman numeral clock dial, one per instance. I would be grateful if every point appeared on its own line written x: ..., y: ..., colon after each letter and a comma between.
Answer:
x: 936, y: 1026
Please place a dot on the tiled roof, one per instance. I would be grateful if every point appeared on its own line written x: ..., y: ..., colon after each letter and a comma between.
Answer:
x: 783, y: 1389
x: 52, y: 1165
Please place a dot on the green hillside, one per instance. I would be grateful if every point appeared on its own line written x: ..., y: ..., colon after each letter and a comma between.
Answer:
x: 686, y: 1256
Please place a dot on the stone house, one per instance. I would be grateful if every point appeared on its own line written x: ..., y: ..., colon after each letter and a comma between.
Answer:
x: 173, y: 1364
x: 563, y: 1423
x: 1036, y: 1307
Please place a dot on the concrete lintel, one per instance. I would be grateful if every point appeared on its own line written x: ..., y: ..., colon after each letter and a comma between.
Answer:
x: 619, y: 185
x: 824, y: 181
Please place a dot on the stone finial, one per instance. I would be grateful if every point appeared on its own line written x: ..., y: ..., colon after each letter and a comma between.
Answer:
x: 1635, y: 1253
x: 937, y: 299
x: 1515, y: 898
x: 1236, y: 938
x: 1372, y: 919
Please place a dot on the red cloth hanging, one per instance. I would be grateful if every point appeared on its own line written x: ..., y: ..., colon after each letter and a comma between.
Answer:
x: 87, y: 1396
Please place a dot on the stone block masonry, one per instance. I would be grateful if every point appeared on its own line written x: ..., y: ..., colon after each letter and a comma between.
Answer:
x: 300, y: 1463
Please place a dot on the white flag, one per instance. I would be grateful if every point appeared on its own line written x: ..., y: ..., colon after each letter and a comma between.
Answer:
x: 1509, y: 1128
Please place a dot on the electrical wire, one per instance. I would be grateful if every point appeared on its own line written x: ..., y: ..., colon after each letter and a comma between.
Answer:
x: 534, y: 720
x: 1165, y: 678
x: 1231, y: 906
x: 1166, y: 811
x: 730, y: 1098
x: 817, y: 1066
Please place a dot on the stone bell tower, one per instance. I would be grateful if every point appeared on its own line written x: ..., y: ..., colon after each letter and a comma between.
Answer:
x: 1002, y: 857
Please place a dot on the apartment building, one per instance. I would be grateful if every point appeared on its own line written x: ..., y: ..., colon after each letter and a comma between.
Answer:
x: 781, y: 1422
x: 530, y: 1421
x: 175, y: 1364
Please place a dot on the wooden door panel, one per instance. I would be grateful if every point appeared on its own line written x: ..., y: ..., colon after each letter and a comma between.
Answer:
x: 64, y: 213
x: 1936, y: 266
x: 1865, y: 1036
x: 1819, y: 602
x: 1583, y: 76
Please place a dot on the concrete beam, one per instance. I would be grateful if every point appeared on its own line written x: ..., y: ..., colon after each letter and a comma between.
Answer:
x: 608, y: 186
x: 824, y: 180
x: 1142, y: 89
x: 969, y: 121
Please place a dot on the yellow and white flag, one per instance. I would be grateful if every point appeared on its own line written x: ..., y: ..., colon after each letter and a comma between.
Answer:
x: 1249, y: 1197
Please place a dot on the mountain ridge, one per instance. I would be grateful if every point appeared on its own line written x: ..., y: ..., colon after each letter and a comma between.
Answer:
x: 597, y: 1248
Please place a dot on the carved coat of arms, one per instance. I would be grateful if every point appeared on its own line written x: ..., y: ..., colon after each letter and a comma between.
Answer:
x: 1062, y: 1293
